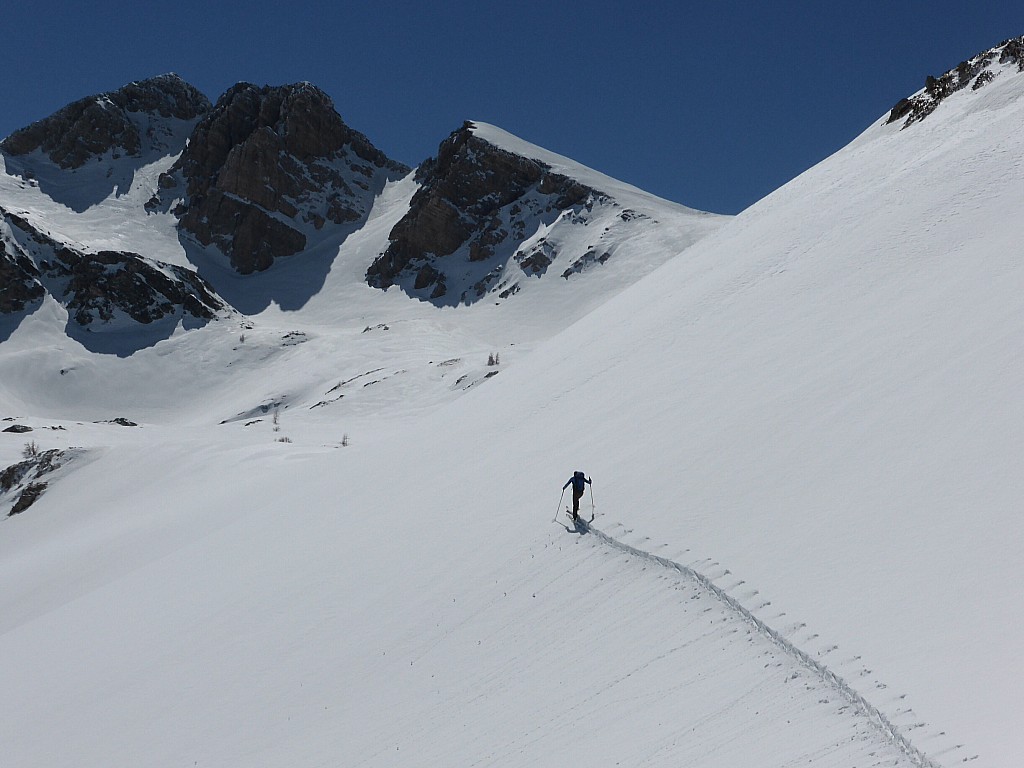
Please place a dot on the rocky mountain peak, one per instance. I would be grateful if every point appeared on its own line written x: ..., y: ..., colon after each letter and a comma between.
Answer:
x: 267, y: 167
x: 475, y: 198
x: 118, y: 121
x: 976, y: 72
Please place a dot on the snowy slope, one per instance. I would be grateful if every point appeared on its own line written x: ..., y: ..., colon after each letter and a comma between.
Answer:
x: 802, y: 431
x: 100, y: 205
x: 824, y: 397
x: 425, y: 354
x: 268, y: 605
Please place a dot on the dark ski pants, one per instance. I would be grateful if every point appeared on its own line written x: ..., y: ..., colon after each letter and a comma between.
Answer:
x: 576, y: 496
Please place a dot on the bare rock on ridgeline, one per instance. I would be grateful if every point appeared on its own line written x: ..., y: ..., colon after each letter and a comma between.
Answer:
x: 267, y: 168
x: 127, y: 121
x: 474, y: 198
x: 976, y: 72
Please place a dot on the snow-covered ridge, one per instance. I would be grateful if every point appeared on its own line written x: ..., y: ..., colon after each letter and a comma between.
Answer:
x: 889, y: 730
x: 627, y: 194
x: 495, y: 216
x: 976, y: 72
x: 130, y: 120
x: 305, y: 182
x: 822, y: 398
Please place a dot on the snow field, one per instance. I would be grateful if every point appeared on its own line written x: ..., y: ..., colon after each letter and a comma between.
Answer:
x: 816, y: 409
x: 215, y: 625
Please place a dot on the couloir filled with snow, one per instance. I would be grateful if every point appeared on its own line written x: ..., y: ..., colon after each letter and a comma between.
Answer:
x: 330, y: 540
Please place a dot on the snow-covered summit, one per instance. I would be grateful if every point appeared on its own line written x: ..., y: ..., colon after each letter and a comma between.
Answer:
x: 128, y: 120
x: 627, y: 194
x: 495, y: 215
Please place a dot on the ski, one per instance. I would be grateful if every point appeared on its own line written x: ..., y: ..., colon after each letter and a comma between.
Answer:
x: 569, y: 514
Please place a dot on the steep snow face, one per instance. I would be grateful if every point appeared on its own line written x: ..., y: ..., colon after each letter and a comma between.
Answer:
x: 824, y: 397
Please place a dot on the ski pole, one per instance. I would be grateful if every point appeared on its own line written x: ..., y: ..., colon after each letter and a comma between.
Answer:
x: 559, y: 507
x: 593, y: 506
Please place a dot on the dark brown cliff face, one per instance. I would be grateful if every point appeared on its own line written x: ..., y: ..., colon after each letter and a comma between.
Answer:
x: 267, y: 166
x: 473, y: 198
x: 19, y: 281
x: 96, y: 287
x: 109, y: 122
x: 976, y: 73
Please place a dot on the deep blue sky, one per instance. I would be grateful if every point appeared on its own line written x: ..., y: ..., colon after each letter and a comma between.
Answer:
x: 711, y: 104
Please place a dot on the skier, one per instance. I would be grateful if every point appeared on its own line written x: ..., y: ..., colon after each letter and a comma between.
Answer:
x: 578, y: 481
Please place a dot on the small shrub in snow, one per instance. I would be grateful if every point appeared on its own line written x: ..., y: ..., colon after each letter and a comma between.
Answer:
x: 31, y: 450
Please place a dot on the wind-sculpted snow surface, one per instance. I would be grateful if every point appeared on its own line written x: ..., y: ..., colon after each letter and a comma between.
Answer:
x: 262, y: 622
x: 826, y: 394
x: 830, y: 678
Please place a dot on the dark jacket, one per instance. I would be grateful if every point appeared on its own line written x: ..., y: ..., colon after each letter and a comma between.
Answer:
x: 577, y: 482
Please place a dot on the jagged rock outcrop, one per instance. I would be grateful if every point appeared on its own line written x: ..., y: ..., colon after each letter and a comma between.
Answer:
x: 267, y: 167
x: 96, y: 287
x: 125, y: 121
x: 21, y: 484
x: 474, y: 196
x: 976, y: 73
x: 19, y: 281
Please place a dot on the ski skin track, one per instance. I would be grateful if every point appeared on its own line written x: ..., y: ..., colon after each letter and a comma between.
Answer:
x: 889, y: 731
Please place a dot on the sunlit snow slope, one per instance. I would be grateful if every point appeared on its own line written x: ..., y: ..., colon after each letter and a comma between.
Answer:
x: 803, y: 433
x: 825, y: 398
